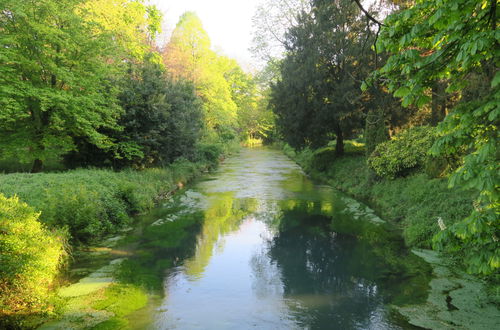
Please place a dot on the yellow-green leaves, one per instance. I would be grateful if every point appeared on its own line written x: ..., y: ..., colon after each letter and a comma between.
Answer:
x: 188, y: 56
x: 30, y: 255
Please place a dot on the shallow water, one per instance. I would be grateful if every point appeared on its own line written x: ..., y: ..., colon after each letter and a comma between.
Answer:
x: 257, y: 245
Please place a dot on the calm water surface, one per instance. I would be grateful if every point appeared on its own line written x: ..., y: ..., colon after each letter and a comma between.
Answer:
x: 272, y: 250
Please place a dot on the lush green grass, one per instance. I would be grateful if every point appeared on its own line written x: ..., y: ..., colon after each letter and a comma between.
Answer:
x: 92, y: 203
x: 414, y: 202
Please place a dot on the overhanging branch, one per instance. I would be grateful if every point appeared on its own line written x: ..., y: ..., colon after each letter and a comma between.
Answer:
x: 367, y: 14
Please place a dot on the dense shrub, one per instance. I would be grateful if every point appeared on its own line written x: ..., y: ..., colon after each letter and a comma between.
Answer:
x: 404, y: 153
x: 209, y: 152
x: 30, y: 256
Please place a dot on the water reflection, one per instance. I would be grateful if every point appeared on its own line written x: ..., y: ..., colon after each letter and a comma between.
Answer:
x: 329, y: 281
x: 275, y: 251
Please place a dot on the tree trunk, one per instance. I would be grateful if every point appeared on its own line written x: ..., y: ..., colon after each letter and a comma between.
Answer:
x: 37, y: 166
x: 438, y: 103
x: 339, y: 146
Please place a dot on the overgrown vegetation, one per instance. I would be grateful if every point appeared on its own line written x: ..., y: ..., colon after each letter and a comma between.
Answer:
x: 95, y: 203
x: 405, y: 152
x: 30, y: 255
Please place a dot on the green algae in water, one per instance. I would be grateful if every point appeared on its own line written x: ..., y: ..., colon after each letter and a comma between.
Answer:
x: 112, y: 324
x: 456, y: 300
x: 122, y: 300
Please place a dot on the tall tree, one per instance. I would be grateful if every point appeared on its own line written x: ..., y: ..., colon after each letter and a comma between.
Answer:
x: 188, y: 56
x: 54, y: 81
x: 318, y: 96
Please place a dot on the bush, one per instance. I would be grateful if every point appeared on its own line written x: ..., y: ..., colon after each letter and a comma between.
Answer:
x: 30, y: 256
x: 404, y: 153
x: 209, y: 152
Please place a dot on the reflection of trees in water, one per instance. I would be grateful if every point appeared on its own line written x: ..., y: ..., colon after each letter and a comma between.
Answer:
x: 267, y: 280
x: 222, y: 216
x: 328, y: 280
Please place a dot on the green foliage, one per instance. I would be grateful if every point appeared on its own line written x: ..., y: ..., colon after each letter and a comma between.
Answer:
x: 188, y: 56
x: 456, y: 41
x: 320, y: 160
x: 55, y: 84
x: 418, y: 202
x: 30, y: 255
x: 162, y: 121
x: 209, y: 152
x: 404, y: 153
x: 255, y: 120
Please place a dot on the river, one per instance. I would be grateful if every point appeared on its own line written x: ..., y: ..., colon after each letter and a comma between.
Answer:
x: 258, y: 245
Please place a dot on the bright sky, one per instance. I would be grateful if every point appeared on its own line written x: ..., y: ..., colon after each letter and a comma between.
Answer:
x: 227, y: 22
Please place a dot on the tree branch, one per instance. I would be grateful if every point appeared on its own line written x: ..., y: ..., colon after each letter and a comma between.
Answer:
x: 367, y: 14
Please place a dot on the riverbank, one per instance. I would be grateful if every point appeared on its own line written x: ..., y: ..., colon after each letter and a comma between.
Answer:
x: 69, y: 212
x: 414, y: 202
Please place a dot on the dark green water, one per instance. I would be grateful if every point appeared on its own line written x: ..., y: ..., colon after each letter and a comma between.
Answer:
x: 258, y: 245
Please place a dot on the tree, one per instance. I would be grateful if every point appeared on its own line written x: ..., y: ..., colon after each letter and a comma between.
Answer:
x: 318, y: 95
x: 162, y: 121
x: 57, y: 61
x: 188, y: 56
x: 132, y: 24
x: 456, y: 41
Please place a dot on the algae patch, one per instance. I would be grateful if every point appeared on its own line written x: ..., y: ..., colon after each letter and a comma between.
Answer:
x: 97, y: 301
x: 456, y: 300
x: 360, y: 211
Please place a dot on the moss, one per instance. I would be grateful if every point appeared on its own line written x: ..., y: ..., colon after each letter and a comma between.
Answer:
x: 122, y: 299
x: 111, y: 324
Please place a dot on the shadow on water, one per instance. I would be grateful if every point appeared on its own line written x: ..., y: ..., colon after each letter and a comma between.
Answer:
x: 258, y: 245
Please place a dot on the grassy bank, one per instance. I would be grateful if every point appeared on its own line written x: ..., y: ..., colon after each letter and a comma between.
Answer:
x: 93, y: 203
x: 414, y: 202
